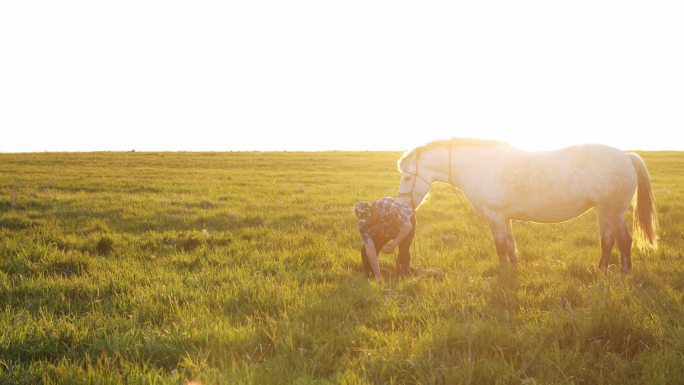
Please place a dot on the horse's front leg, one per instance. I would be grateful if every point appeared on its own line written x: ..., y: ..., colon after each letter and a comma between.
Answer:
x: 498, y: 226
x: 510, y: 243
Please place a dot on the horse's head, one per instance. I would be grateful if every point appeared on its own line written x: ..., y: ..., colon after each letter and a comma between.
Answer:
x: 413, y: 186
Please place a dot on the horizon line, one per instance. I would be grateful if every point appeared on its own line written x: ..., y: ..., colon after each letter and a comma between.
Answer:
x: 269, y: 151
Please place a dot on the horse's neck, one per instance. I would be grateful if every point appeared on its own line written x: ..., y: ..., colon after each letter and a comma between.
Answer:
x: 440, y: 164
x: 456, y: 164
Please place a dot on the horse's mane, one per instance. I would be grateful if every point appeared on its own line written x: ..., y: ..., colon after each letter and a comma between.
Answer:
x: 453, y: 142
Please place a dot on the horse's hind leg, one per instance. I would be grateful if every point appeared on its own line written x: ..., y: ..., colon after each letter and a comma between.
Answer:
x: 607, y: 230
x: 624, y: 242
x: 607, y: 242
x: 510, y: 243
x: 613, y: 227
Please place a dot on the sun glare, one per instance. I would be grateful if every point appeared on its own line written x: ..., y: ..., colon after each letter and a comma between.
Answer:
x: 539, y: 139
x: 347, y: 76
x: 532, y: 141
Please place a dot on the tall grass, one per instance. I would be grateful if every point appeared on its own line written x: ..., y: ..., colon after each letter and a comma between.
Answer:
x: 225, y: 268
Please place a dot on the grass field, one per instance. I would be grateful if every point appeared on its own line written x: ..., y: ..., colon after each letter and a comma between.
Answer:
x: 244, y: 268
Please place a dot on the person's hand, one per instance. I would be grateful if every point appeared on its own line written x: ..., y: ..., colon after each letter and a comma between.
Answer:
x: 389, y: 248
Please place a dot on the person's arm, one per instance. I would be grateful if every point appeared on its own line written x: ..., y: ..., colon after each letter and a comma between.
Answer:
x: 403, y: 232
x: 373, y: 259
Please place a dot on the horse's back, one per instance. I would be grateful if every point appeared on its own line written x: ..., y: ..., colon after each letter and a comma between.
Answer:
x: 595, y: 168
x: 551, y: 186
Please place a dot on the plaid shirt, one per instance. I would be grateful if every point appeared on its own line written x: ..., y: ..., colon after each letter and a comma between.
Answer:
x: 390, y: 217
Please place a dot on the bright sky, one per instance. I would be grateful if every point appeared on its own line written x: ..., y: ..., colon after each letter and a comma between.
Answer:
x: 319, y: 75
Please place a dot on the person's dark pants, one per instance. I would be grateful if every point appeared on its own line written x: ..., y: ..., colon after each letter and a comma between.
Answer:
x: 404, y: 257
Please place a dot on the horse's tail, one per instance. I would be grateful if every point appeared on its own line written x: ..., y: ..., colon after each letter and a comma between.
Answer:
x: 645, y: 227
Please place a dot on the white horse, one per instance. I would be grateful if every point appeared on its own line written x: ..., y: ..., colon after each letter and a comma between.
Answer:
x: 504, y: 183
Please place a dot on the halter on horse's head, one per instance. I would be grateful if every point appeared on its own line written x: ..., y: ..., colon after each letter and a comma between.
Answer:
x: 416, y: 174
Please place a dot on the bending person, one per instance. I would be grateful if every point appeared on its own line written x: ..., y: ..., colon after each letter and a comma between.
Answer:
x: 380, y: 222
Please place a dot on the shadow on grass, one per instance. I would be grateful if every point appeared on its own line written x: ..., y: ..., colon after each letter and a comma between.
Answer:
x: 313, y: 342
x: 503, y: 302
